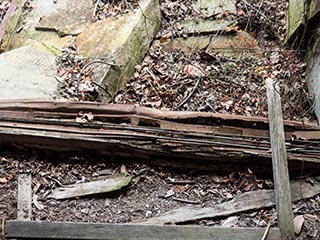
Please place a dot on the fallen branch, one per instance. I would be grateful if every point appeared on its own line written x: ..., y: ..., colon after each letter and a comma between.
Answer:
x: 244, y: 202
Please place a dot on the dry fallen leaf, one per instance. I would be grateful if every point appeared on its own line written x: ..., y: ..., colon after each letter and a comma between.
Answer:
x: 298, y: 223
x: 165, y: 37
x: 193, y: 71
x: 3, y: 180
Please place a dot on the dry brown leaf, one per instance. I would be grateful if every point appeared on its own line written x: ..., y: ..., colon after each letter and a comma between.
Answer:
x: 179, y: 188
x: 298, y: 223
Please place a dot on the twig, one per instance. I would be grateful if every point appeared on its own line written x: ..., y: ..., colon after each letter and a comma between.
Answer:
x: 185, y: 200
x: 190, y: 95
x: 95, y: 10
x: 87, y: 65
x: 264, y: 237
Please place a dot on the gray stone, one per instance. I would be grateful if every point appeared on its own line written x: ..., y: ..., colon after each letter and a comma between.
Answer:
x: 43, y: 16
x: 70, y: 20
x: 295, y: 17
x: 213, y: 7
x: 124, y: 41
x: 206, y: 26
x: 28, y: 73
x: 313, y: 77
x: 217, y: 44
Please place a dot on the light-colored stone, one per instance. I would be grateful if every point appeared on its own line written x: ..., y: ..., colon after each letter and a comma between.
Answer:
x: 313, y: 77
x: 70, y: 20
x: 213, y: 7
x: 28, y: 73
x: 237, y: 45
x: 295, y: 17
x: 43, y: 9
x: 124, y: 41
x: 206, y: 26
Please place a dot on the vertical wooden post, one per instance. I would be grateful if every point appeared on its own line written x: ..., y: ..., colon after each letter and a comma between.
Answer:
x: 24, y: 197
x: 279, y: 162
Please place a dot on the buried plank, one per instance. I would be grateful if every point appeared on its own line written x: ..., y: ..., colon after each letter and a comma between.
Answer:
x: 279, y: 161
x: 24, y: 197
x: 244, y: 202
x: 60, y: 230
x: 104, y: 185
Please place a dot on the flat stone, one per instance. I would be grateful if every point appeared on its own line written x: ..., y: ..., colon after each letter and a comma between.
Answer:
x: 216, y: 44
x: 295, y: 17
x: 70, y: 20
x: 206, y: 26
x: 46, y: 11
x: 212, y: 7
x: 28, y: 73
x: 124, y: 41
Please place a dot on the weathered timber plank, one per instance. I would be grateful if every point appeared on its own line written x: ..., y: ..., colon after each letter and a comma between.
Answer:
x: 59, y: 230
x: 24, y: 197
x: 244, y: 202
x: 279, y: 161
x: 76, y: 107
x: 104, y: 185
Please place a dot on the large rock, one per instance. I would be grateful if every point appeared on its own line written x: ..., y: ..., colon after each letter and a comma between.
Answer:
x: 295, y: 17
x: 28, y: 73
x: 217, y: 44
x: 124, y: 41
x: 63, y: 17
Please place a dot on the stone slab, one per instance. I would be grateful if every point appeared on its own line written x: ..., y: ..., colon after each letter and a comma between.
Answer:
x: 236, y: 45
x: 206, y: 25
x: 28, y: 73
x: 212, y: 7
x: 124, y: 41
x: 295, y: 17
x: 46, y: 11
x: 70, y: 20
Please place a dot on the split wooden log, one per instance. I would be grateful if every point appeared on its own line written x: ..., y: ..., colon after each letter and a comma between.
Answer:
x: 244, y: 202
x: 149, y: 133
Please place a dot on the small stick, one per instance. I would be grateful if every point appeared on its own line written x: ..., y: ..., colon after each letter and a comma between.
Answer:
x: 264, y: 237
x: 185, y: 200
x: 190, y: 95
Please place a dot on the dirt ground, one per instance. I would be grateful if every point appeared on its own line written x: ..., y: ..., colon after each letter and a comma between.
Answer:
x: 153, y: 191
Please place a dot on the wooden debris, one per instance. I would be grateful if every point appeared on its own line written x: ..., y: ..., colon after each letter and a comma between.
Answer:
x: 244, y: 202
x: 24, y: 197
x: 279, y: 162
x: 149, y: 133
x: 104, y: 185
x: 60, y: 230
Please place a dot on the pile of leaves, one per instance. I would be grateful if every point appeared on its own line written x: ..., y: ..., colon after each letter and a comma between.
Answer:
x: 74, y: 75
x: 107, y: 8
x: 170, y: 79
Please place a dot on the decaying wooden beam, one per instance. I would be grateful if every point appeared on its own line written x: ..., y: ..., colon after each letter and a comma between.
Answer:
x: 104, y: 185
x: 244, y: 202
x: 279, y: 162
x: 148, y: 133
x: 24, y: 197
x: 61, y: 230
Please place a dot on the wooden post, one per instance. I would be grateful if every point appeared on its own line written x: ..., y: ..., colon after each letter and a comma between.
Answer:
x: 279, y: 162
x: 24, y: 197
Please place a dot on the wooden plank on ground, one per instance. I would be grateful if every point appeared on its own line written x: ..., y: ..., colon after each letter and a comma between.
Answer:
x: 24, y: 197
x: 279, y: 161
x: 248, y: 201
x: 104, y: 185
x: 59, y: 230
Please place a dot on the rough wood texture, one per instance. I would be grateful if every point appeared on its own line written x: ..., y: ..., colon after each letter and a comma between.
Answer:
x: 279, y: 161
x: 24, y: 197
x: 149, y: 133
x: 109, y: 184
x: 56, y: 230
x: 244, y: 202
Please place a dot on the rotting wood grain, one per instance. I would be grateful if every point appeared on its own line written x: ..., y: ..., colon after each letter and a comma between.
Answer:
x: 279, y: 162
x: 24, y: 197
x: 244, y: 202
x: 60, y: 230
